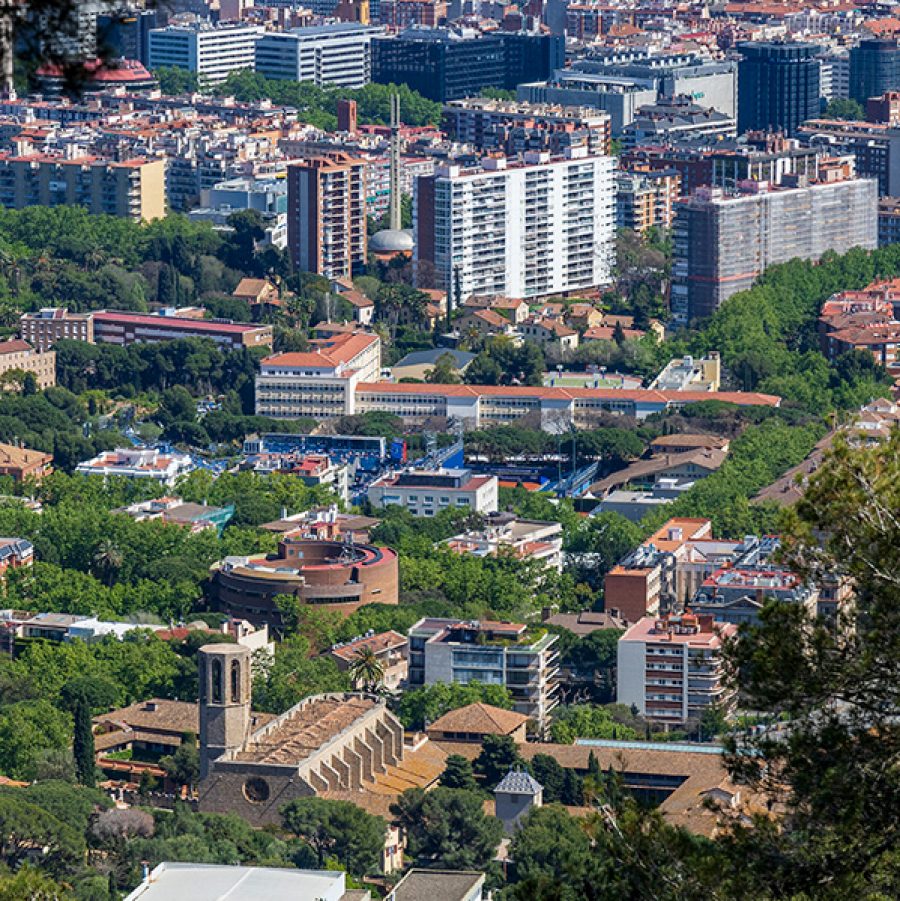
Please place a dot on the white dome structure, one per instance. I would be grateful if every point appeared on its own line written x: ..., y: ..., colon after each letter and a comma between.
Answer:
x: 391, y: 240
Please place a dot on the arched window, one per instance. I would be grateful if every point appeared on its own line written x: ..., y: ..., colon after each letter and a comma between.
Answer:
x: 216, y: 681
x: 203, y: 676
x: 235, y: 681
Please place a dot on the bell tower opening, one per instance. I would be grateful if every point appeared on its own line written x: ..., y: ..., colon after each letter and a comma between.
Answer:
x: 224, y: 671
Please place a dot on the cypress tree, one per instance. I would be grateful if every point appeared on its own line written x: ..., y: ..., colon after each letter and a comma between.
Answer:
x: 83, y: 745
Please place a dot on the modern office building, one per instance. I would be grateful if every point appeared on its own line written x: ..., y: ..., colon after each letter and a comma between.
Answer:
x: 134, y: 189
x: 426, y: 492
x: 621, y: 86
x: 125, y: 34
x: 520, y: 229
x: 493, y: 653
x: 334, y: 54
x: 724, y: 241
x: 671, y: 668
x: 19, y: 357
x: 327, y: 215
x: 530, y: 56
x: 440, y: 63
x: 211, y: 51
x: 778, y: 86
x: 874, y: 68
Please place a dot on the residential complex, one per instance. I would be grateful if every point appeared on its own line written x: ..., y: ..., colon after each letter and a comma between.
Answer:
x: 18, y: 359
x: 337, y: 54
x: 647, y: 581
x: 671, y: 668
x: 132, y: 188
x: 543, y: 226
x: 724, y: 241
x: 425, y: 493
x: 493, y: 653
x: 513, y: 127
x: 327, y: 216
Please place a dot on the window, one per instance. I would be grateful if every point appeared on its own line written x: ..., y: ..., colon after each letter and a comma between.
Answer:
x: 216, y: 681
x: 235, y: 681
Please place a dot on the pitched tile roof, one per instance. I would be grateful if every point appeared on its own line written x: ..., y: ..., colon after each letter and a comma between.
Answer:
x: 479, y: 719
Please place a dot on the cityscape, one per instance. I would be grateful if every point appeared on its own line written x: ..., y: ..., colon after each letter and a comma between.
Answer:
x: 449, y: 450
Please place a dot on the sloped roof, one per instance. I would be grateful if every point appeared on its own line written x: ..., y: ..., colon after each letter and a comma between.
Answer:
x: 480, y: 719
x: 518, y: 782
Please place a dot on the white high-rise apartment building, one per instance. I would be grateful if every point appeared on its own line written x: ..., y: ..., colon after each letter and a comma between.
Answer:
x: 338, y: 54
x: 522, y: 229
x: 212, y: 51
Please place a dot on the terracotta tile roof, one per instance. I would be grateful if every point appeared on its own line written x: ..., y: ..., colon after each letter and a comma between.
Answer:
x: 377, y: 643
x: 10, y: 455
x: 480, y: 719
x: 14, y: 346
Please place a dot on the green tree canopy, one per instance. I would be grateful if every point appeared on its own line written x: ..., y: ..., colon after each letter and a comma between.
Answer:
x: 447, y: 828
x: 337, y: 830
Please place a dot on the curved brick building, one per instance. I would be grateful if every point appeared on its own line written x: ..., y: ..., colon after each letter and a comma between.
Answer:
x: 331, y: 574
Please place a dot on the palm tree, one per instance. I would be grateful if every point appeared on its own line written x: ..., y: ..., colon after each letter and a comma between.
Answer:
x: 366, y: 670
x: 108, y: 560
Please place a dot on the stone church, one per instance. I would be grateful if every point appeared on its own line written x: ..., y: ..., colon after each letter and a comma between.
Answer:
x: 332, y: 745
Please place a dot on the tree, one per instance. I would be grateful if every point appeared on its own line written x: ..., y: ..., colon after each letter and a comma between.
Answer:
x: 83, y: 745
x: 183, y: 767
x: 844, y: 108
x: 107, y: 561
x: 32, y: 884
x: 836, y: 686
x: 551, y: 775
x: 458, y: 773
x: 444, y: 371
x: 421, y: 706
x: 551, y: 843
x: 498, y: 756
x: 447, y: 828
x: 337, y: 830
x: 366, y: 669
x: 24, y: 827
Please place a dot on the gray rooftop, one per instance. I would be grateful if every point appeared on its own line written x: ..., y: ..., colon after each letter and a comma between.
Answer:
x: 518, y: 782
x: 206, y: 882
x: 438, y: 885
x: 461, y: 358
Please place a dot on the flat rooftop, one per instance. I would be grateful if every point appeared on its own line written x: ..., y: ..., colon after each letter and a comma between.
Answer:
x: 208, y: 882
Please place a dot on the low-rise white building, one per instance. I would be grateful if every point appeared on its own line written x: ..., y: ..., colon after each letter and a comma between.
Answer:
x: 425, y: 493
x: 139, y: 463
x: 528, y: 539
